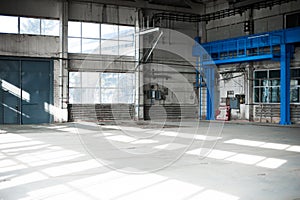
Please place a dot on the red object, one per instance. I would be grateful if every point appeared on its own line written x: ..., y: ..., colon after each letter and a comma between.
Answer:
x: 223, y: 113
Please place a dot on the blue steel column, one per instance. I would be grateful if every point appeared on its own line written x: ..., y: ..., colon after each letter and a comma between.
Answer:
x: 210, y: 76
x: 285, y: 51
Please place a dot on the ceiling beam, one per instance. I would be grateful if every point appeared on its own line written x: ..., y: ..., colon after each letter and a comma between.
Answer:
x: 142, y: 4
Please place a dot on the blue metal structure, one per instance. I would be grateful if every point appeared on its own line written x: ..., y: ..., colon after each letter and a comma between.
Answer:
x: 276, y: 45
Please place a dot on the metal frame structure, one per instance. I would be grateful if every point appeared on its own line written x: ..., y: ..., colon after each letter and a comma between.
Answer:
x: 276, y: 45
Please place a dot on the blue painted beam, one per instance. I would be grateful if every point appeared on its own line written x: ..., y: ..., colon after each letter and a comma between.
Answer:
x: 240, y: 59
x: 292, y: 35
x: 268, y: 39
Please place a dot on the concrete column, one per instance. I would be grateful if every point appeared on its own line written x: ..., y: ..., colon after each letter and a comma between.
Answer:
x: 250, y: 90
x: 139, y: 76
x: 250, y: 72
x: 63, y: 63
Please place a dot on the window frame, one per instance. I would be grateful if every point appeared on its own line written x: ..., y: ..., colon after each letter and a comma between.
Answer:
x: 102, y: 51
x: 270, y: 86
x: 100, y: 87
x: 40, y: 26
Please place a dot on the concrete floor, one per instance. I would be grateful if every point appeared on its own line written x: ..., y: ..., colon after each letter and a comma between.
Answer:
x: 150, y: 161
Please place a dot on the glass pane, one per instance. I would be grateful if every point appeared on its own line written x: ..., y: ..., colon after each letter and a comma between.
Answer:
x: 109, y: 47
x: 90, y: 79
x: 8, y: 24
x: 294, y: 82
x: 257, y: 83
x: 125, y: 97
x: 109, y: 95
x: 295, y: 73
x: 274, y: 74
x: 74, y: 79
x: 90, y: 30
x: 126, y: 48
x: 265, y: 95
x: 126, y: 33
x: 126, y: 80
x: 30, y: 26
x: 275, y: 82
x: 275, y: 94
x: 265, y: 82
x: 50, y: 27
x: 295, y: 94
x: 74, y: 45
x: 74, y: 29
x: 90, y: 95
x: 109, y: 31
x: 74, y: 95
x: 109, y: 80
x: 260, y: 74
x: 257, y: 95
x: 90, y: 46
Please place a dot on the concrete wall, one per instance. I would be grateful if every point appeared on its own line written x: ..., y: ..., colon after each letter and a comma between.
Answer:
x: 50, y: 47
x: 171, y: 63
x: 31, y: 8
x: 264, y: 20
x: 81, y: 11
x: 29, y: 45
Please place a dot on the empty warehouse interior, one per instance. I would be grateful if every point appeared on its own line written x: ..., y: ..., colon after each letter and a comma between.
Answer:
x: 150, y: 99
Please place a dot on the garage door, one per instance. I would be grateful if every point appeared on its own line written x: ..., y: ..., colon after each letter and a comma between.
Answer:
x: 25, y: 91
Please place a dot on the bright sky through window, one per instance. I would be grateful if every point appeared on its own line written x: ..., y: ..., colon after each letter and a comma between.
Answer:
x: 8, y: 24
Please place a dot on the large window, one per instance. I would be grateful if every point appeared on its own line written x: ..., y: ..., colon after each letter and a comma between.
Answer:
x: 295, y: 85
x: 83, y: 37
x: 25, y: 25
x: 94, y: 87
x: 267, y: 86
x: 105, y: 39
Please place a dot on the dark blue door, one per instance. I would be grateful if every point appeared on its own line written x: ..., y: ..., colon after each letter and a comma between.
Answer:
x: 10, y: 92
x: 25, y: 91
x: 35, y: 78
